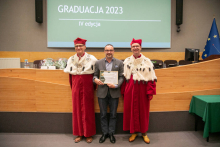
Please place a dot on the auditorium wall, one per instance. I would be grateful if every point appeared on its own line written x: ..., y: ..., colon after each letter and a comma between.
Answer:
x: 19, y: 31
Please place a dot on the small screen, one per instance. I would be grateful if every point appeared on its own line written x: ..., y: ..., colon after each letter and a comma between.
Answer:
x: 191, y: 54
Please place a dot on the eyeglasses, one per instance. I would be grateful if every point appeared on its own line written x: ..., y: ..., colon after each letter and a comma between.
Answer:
x: 109, y: 50
x: 79, y: 46
x: 135, y: 46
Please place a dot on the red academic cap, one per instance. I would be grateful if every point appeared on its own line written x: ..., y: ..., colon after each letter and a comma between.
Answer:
x: 80, y: 41
x: 139, y: 41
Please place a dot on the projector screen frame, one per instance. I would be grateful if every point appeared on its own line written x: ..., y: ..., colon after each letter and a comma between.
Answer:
x: 88, y: 44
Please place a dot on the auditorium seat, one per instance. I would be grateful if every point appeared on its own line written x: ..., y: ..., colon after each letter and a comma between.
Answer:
x: 37, y: 64
x: 170, y: 63
x: 183, y: 62
x: 157, y: 63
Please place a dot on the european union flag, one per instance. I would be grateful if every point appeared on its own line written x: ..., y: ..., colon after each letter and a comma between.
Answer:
x: 212, y: 46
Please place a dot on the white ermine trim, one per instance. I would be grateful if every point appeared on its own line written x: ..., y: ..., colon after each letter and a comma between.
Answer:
x: 141, y: 68
x: 86, y: 65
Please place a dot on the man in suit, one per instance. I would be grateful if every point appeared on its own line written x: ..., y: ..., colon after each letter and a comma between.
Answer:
x: 108, y: 94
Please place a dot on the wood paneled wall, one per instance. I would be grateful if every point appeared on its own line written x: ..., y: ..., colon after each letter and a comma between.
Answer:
x: 36, y: 90
x: 32, y: 56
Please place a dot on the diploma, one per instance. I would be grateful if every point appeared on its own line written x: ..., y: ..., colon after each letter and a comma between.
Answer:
x: 109, y: 77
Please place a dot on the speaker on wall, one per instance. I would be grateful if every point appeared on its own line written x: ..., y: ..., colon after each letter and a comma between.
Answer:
x: 179, y: 12
x: 39, y: 11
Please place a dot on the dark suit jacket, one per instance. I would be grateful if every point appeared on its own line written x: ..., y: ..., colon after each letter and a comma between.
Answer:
x: 103, y: 89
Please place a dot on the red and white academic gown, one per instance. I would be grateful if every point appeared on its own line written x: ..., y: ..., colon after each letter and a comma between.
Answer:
x: 81, y: 81
x: 138, y: 87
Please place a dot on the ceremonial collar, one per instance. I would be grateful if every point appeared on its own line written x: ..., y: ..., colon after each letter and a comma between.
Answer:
x: 80, y: 56
x: 137, y: 57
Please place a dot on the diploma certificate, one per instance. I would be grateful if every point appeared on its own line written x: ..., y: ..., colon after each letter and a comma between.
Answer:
x: 109, y: 77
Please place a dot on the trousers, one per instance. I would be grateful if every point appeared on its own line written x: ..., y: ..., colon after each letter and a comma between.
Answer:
x: 108, y: 127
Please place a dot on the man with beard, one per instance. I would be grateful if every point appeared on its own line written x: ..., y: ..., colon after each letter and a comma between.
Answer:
x: 108, y: 94
x: 81, y: 68
x: 138, y: 90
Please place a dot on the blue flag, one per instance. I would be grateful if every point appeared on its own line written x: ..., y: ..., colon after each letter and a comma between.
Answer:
x: 212, y: 46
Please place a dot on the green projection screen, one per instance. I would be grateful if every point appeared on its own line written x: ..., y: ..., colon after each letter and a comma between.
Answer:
x: 114, y: 22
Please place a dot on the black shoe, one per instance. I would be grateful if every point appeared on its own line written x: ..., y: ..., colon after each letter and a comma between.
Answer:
x: 102, y: 139
x: 112, y: 138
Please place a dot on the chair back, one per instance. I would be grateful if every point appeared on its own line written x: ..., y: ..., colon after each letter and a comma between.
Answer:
x: 157, y: 63
x: 37, y: 63
x: 170, y: 63
x: 183, y: 62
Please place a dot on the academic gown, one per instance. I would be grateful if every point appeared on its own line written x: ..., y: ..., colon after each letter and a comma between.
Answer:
x: 83, y: 116
x: 137, y: 104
